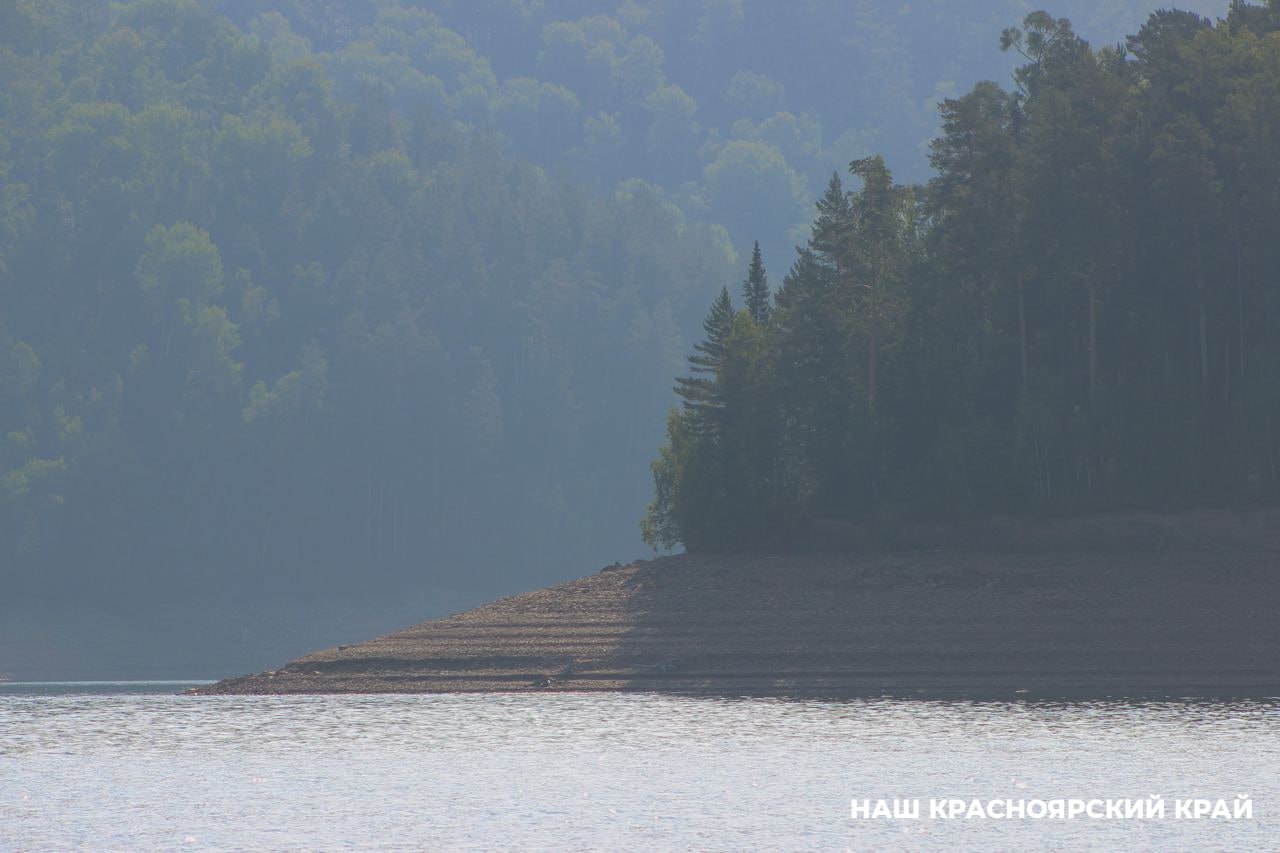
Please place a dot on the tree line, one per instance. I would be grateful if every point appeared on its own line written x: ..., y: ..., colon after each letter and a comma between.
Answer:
x: 261, y: 337
x: 704, y: 98
x: 1077, y: 312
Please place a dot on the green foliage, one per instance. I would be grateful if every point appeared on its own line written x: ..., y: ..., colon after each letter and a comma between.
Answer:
x: 19, y: 369
x: 611, y: 90
x: 283, y: 306
x: 671, y: 515
x: 714, y: 473
x: 701, y: 392
x: 758, y: 94
x: 181, y: 267
x: 1071, y: 316
x: 748, y: 177
x: 755, y: 290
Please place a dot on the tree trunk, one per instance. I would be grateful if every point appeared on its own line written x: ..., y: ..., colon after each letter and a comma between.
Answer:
x: 1022, y: 332
x: 873, y: 356
x: 1271, y: 448
x: 873, y: 351
x: 1240, y: 306
x: 1226, y: 371
x: 1093, y: 341
x: 1204, y: 350
x: 1204, y: 320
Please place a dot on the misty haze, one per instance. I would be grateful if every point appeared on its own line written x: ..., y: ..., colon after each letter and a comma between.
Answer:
x: 831, y: 350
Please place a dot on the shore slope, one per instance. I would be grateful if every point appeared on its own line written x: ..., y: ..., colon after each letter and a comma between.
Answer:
x: 1134, y: 605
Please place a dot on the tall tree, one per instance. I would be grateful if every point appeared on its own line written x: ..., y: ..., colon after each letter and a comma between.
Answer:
x: 875, y: 248
x: 829, y: 238
x: 701, y: 391
x: 755, y: 289
x: 1185, y: 182
x: 1083, y: 315
x: 977, y: 212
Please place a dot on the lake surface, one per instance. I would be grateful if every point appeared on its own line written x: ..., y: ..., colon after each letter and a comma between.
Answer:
x: 133, y: 767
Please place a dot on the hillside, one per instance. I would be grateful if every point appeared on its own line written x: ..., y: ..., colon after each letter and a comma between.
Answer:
x: 1120, y: 605
x: 383, y: 300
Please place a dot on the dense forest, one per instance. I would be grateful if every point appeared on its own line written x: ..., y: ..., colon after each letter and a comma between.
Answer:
x: 737, y: 109
x: 1078, y: 312
x: 377, y: 301
x: 260, y: 340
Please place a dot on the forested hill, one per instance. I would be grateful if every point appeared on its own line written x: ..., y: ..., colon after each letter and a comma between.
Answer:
x: 261, y: 341
x: 1078, y: 312
x: 736, y: 108
x: 375, y: 303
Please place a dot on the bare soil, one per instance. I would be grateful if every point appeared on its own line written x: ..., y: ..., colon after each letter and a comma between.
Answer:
x: 1184, y: 605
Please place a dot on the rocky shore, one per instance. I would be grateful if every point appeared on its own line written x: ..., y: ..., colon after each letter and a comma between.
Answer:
x: 1137, y: 605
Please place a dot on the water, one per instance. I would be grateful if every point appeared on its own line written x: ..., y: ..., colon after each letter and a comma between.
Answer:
x: 133, y: 767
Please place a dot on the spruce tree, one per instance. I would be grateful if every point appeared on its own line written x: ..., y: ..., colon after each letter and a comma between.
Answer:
x: 700, y: 392
x: 833, y: 224
x: 1073, y: 314
x: 756, y: 288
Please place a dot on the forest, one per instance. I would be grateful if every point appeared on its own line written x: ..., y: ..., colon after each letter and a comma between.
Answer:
x: 260, y: 336
x: 372, y: 306
x: 1077, y: 313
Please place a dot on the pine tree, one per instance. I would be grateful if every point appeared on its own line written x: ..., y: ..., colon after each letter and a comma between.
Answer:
x: 1077, y: 312
x: 756, y: 289
x: 831, y: 228
x: 700, y: 392
x: 876, y: 248
x: 815, y: 388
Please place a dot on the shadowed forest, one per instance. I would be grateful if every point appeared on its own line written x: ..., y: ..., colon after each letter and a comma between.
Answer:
x: 370, y: 309
x: 1077, y: 313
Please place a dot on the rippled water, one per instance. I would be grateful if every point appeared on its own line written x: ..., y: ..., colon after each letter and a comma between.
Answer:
x: 108, y: 767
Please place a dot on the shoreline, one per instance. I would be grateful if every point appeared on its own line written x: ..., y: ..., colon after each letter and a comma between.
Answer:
x: 1169, y: 606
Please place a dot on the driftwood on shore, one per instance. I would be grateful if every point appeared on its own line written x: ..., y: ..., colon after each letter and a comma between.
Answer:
x: 1186, y: 605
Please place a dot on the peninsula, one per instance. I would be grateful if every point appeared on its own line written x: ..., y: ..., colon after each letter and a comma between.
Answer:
x: 1132, y: 605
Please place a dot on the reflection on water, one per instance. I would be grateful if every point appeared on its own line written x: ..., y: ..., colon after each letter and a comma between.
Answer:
x: 124, y: 767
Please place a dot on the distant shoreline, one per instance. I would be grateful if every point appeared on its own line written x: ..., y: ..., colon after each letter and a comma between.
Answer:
x: 1138, y: 605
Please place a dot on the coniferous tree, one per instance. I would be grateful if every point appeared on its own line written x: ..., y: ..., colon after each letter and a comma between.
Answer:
x: 831, y: 229
x: 816, y: 390
x: 755, y: 289
x: 1077, y: 313
x: 875, y: 249
x: 700, y: 391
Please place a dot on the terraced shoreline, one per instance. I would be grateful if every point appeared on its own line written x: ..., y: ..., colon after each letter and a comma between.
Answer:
x: 1132, y: 605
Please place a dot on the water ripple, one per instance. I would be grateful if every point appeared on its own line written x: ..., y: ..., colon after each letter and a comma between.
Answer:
x: 140, y: 770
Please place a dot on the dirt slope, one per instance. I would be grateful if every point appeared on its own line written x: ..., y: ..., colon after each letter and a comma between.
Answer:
x: 1132, y: 605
